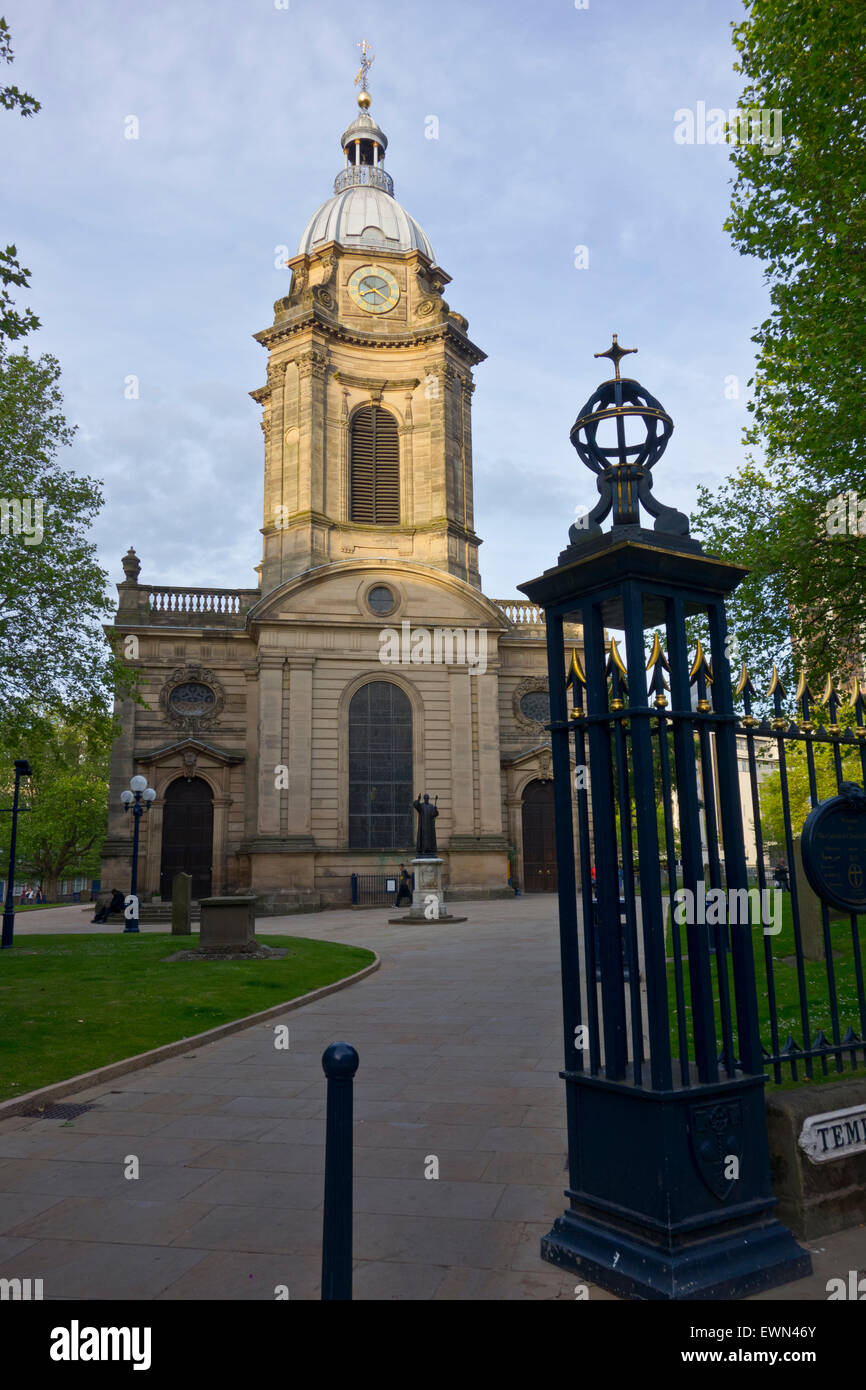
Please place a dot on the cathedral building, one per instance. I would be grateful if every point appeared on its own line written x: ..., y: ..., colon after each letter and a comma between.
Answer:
x: 288, y: 728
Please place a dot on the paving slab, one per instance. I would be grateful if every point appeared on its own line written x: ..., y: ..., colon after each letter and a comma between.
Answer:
x: 458, y: 1035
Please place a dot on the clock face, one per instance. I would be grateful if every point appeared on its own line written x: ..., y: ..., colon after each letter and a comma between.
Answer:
x: 374, y: 289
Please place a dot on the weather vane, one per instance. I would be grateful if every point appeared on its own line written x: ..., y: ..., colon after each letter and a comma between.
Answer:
x: 366, y: 64
x: 616, y: 354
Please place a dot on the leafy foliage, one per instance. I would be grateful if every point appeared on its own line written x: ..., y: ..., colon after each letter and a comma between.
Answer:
x: 61, y: 832
x: 52, y: 591
x: 11, y: 97
x: 801, y: 208
x: 12, y: 323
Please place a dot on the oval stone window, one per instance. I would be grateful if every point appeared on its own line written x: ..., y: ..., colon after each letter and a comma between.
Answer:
x: 381, y: 600
x: 192, y: 698
x: 535, y: 704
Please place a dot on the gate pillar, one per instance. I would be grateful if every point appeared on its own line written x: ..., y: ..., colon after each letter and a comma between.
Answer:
x: 669, y: 1178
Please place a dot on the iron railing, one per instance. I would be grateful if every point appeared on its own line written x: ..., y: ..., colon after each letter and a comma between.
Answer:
x: 810, y: 985
x: 371, y: 890
x: 364, y: 176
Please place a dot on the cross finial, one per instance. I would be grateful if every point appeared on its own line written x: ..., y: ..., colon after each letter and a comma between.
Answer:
x: 366, y: 64
x: 616, y: 354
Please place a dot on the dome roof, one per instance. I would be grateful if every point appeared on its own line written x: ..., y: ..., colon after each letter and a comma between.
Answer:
x: 363, y: 212
x: 365, y: 217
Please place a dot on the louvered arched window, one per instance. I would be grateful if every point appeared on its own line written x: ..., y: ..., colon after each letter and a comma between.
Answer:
x: 374, y: 482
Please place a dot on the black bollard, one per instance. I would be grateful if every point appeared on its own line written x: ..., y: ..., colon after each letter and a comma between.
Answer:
x: 340, y: 1062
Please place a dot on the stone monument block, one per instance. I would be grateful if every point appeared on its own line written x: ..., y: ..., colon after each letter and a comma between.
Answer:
x: 428, y: 898
x: 181, y: 905
x: 228, y: 926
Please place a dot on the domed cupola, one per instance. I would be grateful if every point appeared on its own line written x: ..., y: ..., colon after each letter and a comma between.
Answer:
x: 363, y: 211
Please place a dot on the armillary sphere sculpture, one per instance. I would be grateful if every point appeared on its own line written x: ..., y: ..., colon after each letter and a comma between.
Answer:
x: 623, y: 470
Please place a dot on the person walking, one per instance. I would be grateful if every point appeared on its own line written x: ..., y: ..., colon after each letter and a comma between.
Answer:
x: 404, y: 889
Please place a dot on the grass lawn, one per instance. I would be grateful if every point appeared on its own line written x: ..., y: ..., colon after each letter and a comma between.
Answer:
x: 39, y: 907
x: 72, y: 1003
x: 788, y: 997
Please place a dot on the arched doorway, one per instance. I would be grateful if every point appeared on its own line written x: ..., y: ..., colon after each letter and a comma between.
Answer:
x: 539, y: 839
x: 187, y: 836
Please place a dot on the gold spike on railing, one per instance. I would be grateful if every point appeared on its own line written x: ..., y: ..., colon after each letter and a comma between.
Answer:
x: 657, y: 655
x: 829, y: 691
x: 699, y: 661
x: 575, y: 671
x: 616, y: 658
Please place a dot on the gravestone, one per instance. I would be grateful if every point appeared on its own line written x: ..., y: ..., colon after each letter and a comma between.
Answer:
x: 811, y: 928
x: 228, y: 926
x: 181, y: 905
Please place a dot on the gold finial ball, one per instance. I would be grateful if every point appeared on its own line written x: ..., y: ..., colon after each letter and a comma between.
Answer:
x: 364, y: 100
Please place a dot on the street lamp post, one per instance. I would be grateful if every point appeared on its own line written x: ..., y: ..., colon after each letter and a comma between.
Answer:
x: 22, y: 769
x: 138, y: 800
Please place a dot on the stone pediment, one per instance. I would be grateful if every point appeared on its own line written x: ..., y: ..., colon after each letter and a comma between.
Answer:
x: 189, y: 749
x: 335, y: 593
x: 540, y: 755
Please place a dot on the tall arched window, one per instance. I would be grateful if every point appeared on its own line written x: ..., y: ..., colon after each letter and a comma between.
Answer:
x: 380, y: 767
x: 374, y: 482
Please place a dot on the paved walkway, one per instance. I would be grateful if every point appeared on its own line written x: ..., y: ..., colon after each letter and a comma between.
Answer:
x: 459, y: 1038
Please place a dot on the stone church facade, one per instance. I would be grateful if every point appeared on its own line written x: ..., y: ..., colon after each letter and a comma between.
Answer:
x: 287, y: 728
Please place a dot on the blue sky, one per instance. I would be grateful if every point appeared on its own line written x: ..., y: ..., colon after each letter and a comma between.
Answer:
x: 155, y: 257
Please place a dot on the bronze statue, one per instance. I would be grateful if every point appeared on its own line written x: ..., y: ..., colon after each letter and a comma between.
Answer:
x: 426, y: 843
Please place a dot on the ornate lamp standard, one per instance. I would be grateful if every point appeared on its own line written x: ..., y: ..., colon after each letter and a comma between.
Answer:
x: 22, y: 769
x: 138, y: 800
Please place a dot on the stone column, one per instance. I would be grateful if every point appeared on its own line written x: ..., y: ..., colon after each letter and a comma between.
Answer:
x: 407, y: 484
x: 300, y: 759
x: 489, y: 777
x: 461, y: 750
x: 251, y: 799
x: 150, y: 842
x: 221, y: 806
x: 270, y: 727
x: 514, y: 807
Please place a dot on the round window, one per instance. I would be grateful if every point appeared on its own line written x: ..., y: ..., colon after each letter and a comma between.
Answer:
x: 192, y: 698
x: 535, y: 704
x: 381, y: 600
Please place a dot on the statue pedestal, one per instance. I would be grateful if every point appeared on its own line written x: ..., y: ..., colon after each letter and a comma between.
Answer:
x: 428, y: 899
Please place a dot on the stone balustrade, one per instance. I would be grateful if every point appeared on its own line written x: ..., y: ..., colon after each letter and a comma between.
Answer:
x: 521, y: 612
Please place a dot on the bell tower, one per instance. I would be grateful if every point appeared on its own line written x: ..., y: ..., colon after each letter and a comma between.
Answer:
x: 367, y: 404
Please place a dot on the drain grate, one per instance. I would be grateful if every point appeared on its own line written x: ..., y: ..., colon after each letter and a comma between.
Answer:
x: 57, y: 1112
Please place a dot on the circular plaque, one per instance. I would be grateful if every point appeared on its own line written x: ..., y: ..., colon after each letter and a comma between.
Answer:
x: 833, y: 847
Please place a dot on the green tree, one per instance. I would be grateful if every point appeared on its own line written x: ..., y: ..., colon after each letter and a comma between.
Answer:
x: 800, y: 207
x: 52, y: 591
x: 61, y: 832
x: 797, y: 767
x: 12, y: 323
